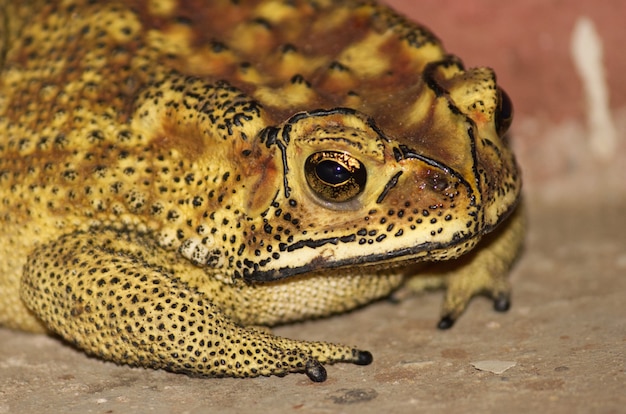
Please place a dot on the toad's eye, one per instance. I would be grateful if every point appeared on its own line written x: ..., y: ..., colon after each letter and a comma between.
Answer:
x: 504, y: 112
x: 335, y: 176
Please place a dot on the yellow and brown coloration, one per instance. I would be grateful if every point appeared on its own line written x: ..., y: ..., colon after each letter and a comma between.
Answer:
x: 173, y: 173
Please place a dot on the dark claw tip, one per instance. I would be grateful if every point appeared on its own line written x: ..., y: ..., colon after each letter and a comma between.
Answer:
x: 501, y: 303
x: 446, y: 322
x: 315, y: 371
x: 364, y: 358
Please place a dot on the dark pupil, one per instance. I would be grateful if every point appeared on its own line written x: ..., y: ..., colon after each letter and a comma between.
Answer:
x: 506, y: 107
x: 332, y: 172
x: 504, y: 114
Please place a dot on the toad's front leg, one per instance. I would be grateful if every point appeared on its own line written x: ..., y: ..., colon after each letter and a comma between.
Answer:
x: 123, y: 305
x: 484, y: 270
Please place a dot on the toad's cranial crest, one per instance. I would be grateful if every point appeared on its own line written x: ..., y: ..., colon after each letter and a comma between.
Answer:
x: 175, y: 174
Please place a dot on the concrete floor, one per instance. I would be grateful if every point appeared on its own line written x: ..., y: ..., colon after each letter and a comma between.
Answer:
x: 565, y: 335
x: 563, y: 341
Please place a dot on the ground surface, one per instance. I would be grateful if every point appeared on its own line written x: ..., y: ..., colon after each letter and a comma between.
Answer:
x: 566, y: 335
x: 563, y: 341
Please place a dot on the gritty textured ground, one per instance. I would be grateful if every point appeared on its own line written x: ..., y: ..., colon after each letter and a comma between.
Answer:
x: 566, y: 334
x: 564, y: 339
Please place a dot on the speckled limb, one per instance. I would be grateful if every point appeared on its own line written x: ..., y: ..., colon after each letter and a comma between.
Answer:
x: 112, y: 301
x: 484, y: 270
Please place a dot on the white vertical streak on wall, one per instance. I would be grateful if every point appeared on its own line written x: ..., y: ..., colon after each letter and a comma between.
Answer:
x: 586, y: 49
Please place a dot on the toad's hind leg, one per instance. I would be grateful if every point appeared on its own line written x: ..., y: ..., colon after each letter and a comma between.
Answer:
x: 483, y: 270
x: 113, y: 301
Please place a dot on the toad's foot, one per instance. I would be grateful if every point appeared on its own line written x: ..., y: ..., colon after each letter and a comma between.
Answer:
x: 482, y: 271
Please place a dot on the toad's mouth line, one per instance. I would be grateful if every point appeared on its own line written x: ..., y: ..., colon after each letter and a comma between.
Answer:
x: 389, y: 259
